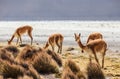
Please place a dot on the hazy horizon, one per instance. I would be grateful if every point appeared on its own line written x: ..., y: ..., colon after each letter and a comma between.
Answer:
x: 42, y: 30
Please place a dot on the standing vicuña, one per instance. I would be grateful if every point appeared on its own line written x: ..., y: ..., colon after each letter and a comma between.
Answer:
x: 20, y: 31
x: 95, y: 46
x: 95, y: 35
x: 55, y: 39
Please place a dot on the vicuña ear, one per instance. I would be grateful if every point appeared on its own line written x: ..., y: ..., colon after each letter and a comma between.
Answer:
x: 75, y: 34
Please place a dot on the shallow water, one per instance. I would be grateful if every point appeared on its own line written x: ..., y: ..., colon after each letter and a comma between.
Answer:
x: 42, y: 29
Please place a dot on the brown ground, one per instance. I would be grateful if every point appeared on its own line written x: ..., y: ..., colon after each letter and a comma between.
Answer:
x: 112, y: 61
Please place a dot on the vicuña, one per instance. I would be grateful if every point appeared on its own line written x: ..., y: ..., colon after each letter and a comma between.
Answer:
x: 20, y: 31
x: 93, y: 47
x: 55, y: 39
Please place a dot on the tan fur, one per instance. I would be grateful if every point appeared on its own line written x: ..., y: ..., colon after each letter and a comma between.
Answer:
x: 95, y: 35
x: 55, y: 39
x: 93, y: 47
x: 20, y: 31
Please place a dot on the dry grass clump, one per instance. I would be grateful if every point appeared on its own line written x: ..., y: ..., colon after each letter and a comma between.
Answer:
x: 13, y: 69
x: 43, y: 63
x: 5, y: 55
x: 13, y: 49
x: 68, y: 74
x: 27, y: 54
x: 33, y: 73
x: 40, y: 60
x: 73, y: 66
x: 55, y: 56
x: 94, y: 71
x: 75, y: 69
x: 10, y: 70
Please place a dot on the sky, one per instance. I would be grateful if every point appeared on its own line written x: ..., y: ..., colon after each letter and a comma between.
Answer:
x: 35, y: 10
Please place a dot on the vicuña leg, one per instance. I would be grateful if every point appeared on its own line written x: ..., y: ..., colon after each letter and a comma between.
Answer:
x: 60, y: 47
x: 30, y: 35
x: 20, y: 38
x: 96, y: 57
x: 103, y: 60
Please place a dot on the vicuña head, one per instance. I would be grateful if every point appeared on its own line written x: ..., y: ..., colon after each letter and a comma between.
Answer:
x: 78, y: 40
x: 55, y: 39
x: 95, y: 46
x: 20, y: 31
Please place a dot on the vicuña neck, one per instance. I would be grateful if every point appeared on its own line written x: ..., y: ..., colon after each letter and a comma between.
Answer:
x: 12, y: 38
x: 80, y: 44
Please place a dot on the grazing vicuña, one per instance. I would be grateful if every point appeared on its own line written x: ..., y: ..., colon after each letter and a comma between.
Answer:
x: 20, y: 31
x: 55, y: 39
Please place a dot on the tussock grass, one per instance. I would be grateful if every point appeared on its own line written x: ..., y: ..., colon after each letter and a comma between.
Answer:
x: 43, y: 63
x: 5, y: 55
x: 12, y: 49
x: 27, y: 54
x: 55, y: 56
x: 68, y: 74
x: 75, y: 69
x: 33, y: 73
x: 40, y: 60
x: 10, y: 70
x: 94, y: 71
x: 72, y: 65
